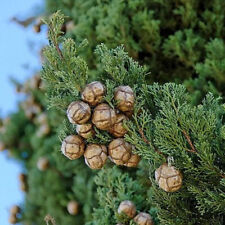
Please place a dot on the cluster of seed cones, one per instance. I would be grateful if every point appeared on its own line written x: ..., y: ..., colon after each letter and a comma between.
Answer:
x: 92, y: 111
x: 128, y: 209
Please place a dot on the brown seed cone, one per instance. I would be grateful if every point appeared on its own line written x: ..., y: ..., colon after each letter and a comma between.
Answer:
x: 120, y: 151
x: 118, y: 129
x: 95, y: 156
x: 14, y: 210
x: 93, y: 93
x: 78, y: 112
x: 124, y: 97
x: 104, y: 117
x: 133, y: 161
x: 42, y: 163
x: 168, y: 178
x: 2, y: 146
x: 13, y: 219
x: 85, y: 130
x: 37, y: 28
x: 43, y: 130
x: 70, y: 26
x: 127, y: 207
x: 143, y: 219
x: 23, y: 187
x: 72, y: 207
x: 22, y: 177
x: 42, y: 118
x: 73, y: 147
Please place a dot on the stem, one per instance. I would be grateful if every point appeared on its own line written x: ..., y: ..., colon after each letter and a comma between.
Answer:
x: 148, y: 142
x: 54, y: 40
x: 189, y: 141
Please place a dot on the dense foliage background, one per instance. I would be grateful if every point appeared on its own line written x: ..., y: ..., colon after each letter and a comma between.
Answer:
x: 173, y: 41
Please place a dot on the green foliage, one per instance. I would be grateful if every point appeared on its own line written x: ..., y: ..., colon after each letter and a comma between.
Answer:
x: 63, y: 81
x: 114, y: 186
x: 175, y: 39
x: 192, y: 137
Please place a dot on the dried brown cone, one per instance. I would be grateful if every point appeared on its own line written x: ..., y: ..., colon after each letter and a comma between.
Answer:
x: 23, y: 186
x: 124, y: 96
x: 78, y: 112
x: 43, y: 130
x: 104, y: 117
x: 42, y: 163
x: 72, y: 207
x: 95, y: 156
x: 14, y: 210
x: 168, y: 178
x: 22, y: 177
x: 85, y: 130
x: 2, y: 146
x: 93, y: 93
x: 118, y: 129
x: 128, y: 208
x: 42, y: 118
x: 13, y: 219
x: 143, y: 219
x: 70, y: 26
x: 133, y: 161
x: 120, y: 151
x: 73, y: 147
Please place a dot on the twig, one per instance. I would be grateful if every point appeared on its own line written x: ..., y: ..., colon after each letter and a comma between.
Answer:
x: 148, y: 142
x: 56, y: 44
x: 189, y: 142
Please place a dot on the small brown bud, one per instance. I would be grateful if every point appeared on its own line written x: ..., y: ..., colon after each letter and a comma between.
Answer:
x: 118, y: 129
x: 93, y: 93
x: 70, y: 26
x: 120, y: 151
x: 124, y: 97
x: 72, y: 207
x: 43, y: 130
x: 127, y: 207
x: 168, y: 178
x: 42, y: 163
x: 22, y: 177
x: 37, y: 28
x: 73, y: 147
x: 78, y: 112
x: 2, y: 146
x: 13, y: 219
x: 143, y: 219
x: 85, y: 130
x: 14, y: 210
x: 95, y: 156
x: 104, y: 117
x: 23, y: 187
x: 133, y: 161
